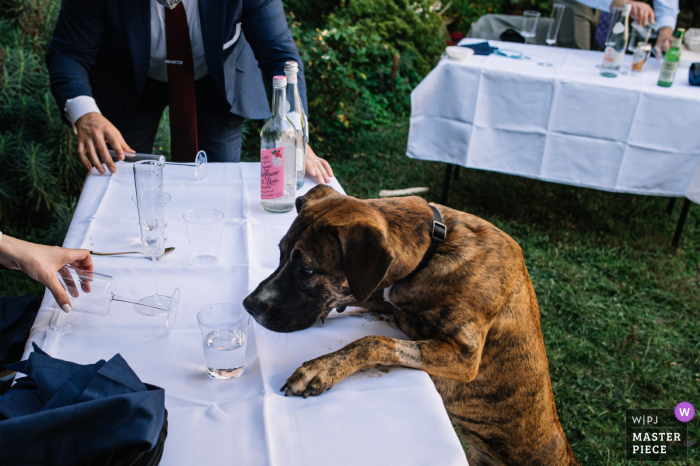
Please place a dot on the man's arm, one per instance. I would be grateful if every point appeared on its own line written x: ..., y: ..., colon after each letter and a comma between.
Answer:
x: 72, y: 52
x: 268, y: 34
x: 666, y: 14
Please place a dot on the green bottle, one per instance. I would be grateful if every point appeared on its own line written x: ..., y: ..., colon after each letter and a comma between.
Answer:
x: 671, y: 60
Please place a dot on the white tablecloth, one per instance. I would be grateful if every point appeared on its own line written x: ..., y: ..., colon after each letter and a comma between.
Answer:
x: 565, y: 123
x: 371, y: 418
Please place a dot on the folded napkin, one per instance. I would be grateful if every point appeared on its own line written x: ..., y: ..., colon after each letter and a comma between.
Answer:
x: 64, y: 413
x: 481, y: 48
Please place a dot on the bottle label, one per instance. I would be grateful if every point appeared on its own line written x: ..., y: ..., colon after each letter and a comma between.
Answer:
x: 668, y: 71
x: 272, y: 173
x: 612, y: 58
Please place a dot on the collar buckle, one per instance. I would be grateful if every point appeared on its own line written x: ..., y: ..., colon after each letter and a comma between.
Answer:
x: 439, y: 232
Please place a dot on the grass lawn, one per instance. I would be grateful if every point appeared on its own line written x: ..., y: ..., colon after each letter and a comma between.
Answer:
x: 620, y: 309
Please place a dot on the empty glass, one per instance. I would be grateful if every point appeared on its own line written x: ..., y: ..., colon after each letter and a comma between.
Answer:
x: 200, y: 161
x: 224, y: 329
x: 553, y: 31
x: 204, y: 228
x: 91, y: 293
x: 166, y: 200
x: 530, y: 19
x: 148, y: 178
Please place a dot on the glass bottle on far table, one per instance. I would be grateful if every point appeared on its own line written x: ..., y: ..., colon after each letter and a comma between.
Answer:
x: 616, y: 43
x: 278, y: 174
x: 296, y: 115
x: 671, y: 60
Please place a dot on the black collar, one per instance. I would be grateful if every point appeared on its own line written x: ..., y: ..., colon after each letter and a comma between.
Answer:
x: 437, y: 236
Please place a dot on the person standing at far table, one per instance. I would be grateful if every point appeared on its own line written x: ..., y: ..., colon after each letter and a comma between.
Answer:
x: 581, y: 17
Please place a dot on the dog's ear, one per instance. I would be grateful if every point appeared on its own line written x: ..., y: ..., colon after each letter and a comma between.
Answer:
x: 314, y: 194
x: 366, y: 257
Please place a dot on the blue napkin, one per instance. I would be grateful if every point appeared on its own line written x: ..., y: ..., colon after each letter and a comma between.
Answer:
x: 64, y: 413
x: 481, y: 48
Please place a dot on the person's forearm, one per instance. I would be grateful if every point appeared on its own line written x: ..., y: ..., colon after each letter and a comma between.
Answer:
x: 8, y: 252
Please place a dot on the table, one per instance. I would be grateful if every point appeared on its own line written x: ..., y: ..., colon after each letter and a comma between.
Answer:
x: 372, y: 418
x: 564, y: 124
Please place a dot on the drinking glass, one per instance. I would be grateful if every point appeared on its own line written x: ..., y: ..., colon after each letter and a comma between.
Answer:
x: 224, y: 329
x: 148, y: 178
x: 91, y: 293
x: 200, y: 161
x: 166, y: 200
x: 204, y: 228
x: 530, y: 19
x: 553, y: 31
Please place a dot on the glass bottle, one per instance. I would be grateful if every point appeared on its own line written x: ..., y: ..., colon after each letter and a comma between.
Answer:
x: 278, y: 154
x: 616, y: 44
x: 671, y: 60
x: 298, y: 118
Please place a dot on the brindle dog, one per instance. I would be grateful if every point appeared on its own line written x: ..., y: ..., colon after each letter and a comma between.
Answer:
x: 472, y: 315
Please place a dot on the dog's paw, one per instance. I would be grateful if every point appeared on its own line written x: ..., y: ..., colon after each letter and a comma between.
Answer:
x: 312, y: 378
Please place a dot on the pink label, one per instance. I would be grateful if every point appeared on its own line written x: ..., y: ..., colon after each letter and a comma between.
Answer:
x: 272, y: 173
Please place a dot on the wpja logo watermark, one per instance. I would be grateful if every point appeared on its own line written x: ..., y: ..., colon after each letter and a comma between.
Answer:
x: 656, y: 435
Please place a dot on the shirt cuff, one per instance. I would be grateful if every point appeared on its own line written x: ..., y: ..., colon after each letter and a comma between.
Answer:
x: 79, y: 106
x: 665, y: 21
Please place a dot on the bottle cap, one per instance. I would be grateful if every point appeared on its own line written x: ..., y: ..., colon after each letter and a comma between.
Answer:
x: 279, y: 82
x: 291, y: 67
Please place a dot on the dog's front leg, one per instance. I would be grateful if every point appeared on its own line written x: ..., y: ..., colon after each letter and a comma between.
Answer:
x: 436, y: 357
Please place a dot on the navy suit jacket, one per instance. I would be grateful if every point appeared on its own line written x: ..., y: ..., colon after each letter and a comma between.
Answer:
x: 101, y: 48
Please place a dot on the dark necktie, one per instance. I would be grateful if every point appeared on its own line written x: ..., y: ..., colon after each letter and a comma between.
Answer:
x: 601, y: 32
x: 183, y: 104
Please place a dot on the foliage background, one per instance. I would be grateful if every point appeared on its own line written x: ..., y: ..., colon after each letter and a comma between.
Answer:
x: 619, y: 307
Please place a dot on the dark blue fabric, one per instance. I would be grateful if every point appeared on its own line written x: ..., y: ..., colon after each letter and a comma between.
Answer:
x: 601, y: 32
x: 694, y: 74
x: 17, y: 314
x: 481, y: 48
x: 101, y: 48
x: 64, y: 413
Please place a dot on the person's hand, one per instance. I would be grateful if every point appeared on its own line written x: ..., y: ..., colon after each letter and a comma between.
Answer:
x: 318, y: 167
x: 664, y: 39
x: 641, y: 12
x: 42, y: 263
x: 94, y: 131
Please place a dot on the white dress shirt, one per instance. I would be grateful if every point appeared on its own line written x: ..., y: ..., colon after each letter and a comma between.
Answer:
x: 665, y: 11
x: 79, y: 106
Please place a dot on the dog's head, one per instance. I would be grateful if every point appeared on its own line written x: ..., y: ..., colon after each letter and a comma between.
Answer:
x: 336, y: 252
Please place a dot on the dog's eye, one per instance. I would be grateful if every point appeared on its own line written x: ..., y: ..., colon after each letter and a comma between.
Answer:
x: 306, y: 271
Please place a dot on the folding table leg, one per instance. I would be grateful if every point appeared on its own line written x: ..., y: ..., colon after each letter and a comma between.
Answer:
x: 681, y: 223
x: 446, y: 184
x: 671, y: 205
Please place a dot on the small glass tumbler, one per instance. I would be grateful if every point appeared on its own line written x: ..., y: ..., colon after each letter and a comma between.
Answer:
x: 204, y: 228
x: 530, y: 19
x: 224, y: 329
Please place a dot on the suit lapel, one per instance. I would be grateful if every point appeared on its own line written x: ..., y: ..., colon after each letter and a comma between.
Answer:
x: 137, y: 23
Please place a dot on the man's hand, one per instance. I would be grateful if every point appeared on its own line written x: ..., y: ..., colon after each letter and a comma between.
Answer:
x: 665, y: 38
x: 318, y: 167
x: 641, y: 12
x: 94, y: 131
x: 42, y: 263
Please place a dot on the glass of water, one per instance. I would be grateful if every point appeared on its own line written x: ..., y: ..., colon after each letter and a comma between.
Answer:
x: 224, y: 329
x: 204, y: 228
x: 530, y: 19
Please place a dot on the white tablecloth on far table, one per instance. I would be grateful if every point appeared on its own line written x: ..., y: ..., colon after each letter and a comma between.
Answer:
x: 371, y: 418
x: 565, y: 123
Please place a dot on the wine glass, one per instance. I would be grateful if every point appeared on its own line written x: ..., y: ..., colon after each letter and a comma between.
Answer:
x: 530, y: 19
x: 200, y: 162
x: 91, y: 293
x: 148, y: 178
x: 553, y: 31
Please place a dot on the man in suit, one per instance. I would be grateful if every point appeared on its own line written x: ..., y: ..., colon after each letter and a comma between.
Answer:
x: 116, y: 65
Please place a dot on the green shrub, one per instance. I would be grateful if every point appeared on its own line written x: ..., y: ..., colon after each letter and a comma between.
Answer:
x: 362, y: 65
